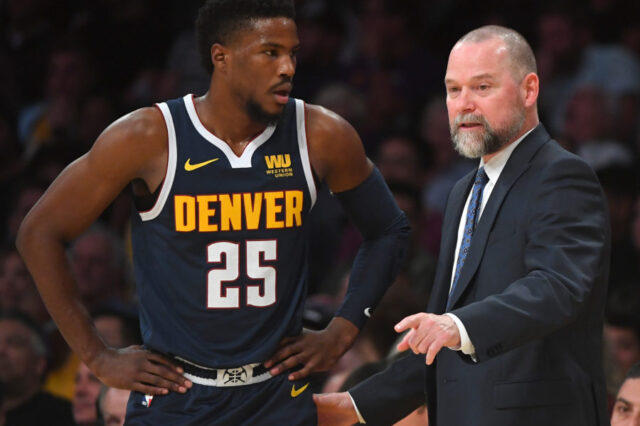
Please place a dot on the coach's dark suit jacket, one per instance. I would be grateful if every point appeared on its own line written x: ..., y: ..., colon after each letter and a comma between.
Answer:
x: 531, y: 295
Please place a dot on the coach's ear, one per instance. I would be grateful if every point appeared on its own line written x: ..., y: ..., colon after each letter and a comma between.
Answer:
x: 530, y: 88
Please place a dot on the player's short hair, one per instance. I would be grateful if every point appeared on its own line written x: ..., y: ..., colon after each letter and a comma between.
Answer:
x: 218, y: 20
x: 520, y: 53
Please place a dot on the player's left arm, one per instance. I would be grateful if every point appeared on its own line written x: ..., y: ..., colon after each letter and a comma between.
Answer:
x: 338, y: 158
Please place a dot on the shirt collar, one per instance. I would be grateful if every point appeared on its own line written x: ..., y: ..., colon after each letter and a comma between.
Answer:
x: 494, y: 167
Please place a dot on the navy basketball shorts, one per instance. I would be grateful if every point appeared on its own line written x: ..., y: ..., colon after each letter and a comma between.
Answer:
x: 276, y: 401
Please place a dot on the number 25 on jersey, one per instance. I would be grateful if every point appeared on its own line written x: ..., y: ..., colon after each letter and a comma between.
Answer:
x: 229, y: 296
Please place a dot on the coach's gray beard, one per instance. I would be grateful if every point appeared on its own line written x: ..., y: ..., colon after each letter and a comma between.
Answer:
x: 489, y: 141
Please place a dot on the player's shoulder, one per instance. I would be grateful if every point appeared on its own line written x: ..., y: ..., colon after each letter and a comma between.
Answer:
x: 325, y: 126
x: 137, y: 141
x: 323, y: 119
x: 142, y: 124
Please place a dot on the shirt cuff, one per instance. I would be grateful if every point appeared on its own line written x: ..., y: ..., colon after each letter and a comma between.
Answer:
x: 360, y: 418
x: 466, y: 346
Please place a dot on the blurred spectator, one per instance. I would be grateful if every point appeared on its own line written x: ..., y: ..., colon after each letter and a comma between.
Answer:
x: 398, y: 159
x: 568, y: 61
x: 112, y: 406
x: 322, y: 30
x: 98, y: 263
x: 636, y: 225
x: 137, y: 33
x: 10, y: 152
x: 24, y: 195
x: 17, y: 289
x: 619, y: 182
x: 344, y: 101
x: 622, y: 333
x: 587, y: 119
x: 27, y: 34
x: 614, y: 164
x: 22, y: 365
x: 54, y: 119
x: 626, y: 411
x: 419, y: 265
x: 117, y: 324
x: 85, y: 397
x: 184, y: 72
x: 96, y: 113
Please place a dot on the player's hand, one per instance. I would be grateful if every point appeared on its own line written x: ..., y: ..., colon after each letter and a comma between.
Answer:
x: 314, y: 350
x: 138, y: 369
x: 428, y: 334
x: 335, y: 409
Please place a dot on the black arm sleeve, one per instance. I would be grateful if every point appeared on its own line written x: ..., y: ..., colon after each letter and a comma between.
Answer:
x: 392, y: 394
x: 385, y: 229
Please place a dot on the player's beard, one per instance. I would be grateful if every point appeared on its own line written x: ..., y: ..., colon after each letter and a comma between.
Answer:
x: 258, y: 114
x: 486, y: 140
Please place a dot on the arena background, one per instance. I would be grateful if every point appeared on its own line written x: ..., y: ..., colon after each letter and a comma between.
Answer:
x: 69, y: 67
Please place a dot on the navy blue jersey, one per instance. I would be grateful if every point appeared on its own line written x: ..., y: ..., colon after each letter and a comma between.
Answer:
x: 221, y: 258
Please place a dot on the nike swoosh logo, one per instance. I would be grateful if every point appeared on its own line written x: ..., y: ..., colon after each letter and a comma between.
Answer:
x: 190, y: 167
x: 295, y: 392
x: 367, y: 312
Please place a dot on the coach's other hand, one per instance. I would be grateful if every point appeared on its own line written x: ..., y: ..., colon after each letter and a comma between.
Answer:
x: 138, y: 369
x: 314, y: 350
x: 428, y: 334
x: 335, y: 409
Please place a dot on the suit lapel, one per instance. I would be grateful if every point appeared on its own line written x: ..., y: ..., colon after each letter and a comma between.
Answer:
x: 518, y: 163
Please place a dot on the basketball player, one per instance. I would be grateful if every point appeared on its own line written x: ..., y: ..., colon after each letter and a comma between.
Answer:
x: 223, y: 185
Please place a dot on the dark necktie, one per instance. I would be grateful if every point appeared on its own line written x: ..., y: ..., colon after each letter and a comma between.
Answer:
x: 470, y: 225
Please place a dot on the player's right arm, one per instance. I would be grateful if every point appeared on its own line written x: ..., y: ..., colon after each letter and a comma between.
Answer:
x: 134, y: 148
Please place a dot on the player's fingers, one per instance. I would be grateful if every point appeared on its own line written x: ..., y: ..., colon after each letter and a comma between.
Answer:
x: 300, y: 374
x: 149, y: 390
x: 280, y: 356
x: 167, y: 373
x: 287, y: 340
x: 288, y: 363
x: 160, y: 382
x: 162, y: 360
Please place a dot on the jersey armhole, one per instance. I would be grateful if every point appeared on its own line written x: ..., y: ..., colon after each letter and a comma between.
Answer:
x: 170, y: 171
x: 304, y: 150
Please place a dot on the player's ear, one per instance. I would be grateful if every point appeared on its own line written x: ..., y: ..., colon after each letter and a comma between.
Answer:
x: 219, y: 56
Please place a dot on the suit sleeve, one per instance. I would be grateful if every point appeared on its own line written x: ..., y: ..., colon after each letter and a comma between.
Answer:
x: 566, y: 244
x: 392, y: 394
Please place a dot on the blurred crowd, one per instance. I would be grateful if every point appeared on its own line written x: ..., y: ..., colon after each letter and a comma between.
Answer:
x: 68, y: 68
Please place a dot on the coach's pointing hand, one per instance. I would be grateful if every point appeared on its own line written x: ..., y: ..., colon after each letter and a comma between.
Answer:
x: 314, y: 350
x: 429, y: 333
x: 140, y: 370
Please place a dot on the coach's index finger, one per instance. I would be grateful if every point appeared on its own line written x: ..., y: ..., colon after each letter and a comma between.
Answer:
x: 412, y: 321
